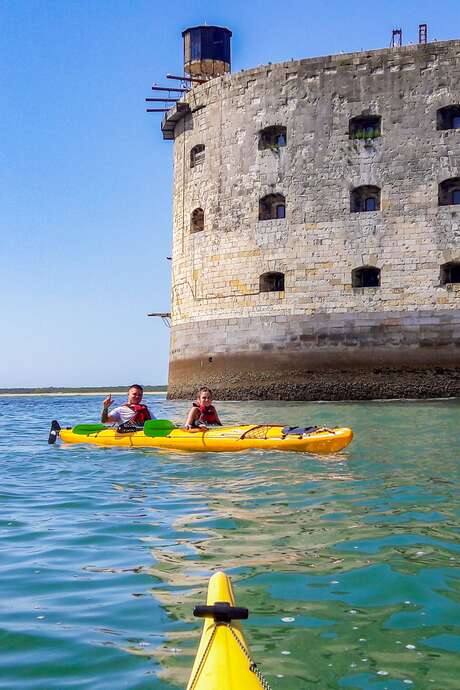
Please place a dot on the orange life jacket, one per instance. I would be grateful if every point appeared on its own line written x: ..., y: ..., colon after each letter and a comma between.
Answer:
x: 141, y: 414
x: 208, y: 414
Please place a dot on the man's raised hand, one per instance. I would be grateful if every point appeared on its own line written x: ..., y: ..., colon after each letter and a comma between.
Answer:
x: 108, y: 401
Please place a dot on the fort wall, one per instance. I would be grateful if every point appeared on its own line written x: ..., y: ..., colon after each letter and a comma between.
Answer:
x: 320, y: 337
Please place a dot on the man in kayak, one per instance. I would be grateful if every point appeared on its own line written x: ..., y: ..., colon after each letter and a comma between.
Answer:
x: 132, y: 412
x: 203, y: 411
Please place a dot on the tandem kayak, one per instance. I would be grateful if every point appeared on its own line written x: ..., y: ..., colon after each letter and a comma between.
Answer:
x: 161, y: 433
x: 223, y: 661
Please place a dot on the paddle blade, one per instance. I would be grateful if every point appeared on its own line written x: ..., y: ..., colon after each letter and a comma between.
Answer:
x: 158, y: 427
x: 85, y: 429
x: 54, y: 431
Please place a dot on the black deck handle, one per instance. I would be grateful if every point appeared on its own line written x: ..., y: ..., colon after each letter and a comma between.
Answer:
x: 221, y: 611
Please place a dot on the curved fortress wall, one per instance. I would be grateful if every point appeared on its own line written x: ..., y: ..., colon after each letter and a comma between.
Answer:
x: 320, y: 337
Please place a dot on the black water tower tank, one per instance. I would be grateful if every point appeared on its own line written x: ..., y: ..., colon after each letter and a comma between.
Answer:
x: 206, y: 51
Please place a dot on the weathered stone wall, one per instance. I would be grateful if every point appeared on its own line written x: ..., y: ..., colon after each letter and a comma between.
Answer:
x: 320, y: 338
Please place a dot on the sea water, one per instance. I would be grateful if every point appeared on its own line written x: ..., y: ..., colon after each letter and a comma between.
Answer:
x: 349, y: 563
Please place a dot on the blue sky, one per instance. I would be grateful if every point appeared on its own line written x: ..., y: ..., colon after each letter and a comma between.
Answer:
x: 85, y: 176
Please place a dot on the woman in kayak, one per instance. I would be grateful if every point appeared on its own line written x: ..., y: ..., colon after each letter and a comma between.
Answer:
x: 132, y: 411
x: 203, y: 413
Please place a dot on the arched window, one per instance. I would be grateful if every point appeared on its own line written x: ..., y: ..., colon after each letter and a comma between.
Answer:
x: 365, y: 276
x: 271, y: 282
x: 272, y: 206
x: 449, y: 192
x: 448, y: 117
x: 365, y: 198
x: 365, y: 127
x: 450, y: 273
x: 197, y: 220
x: 272, y: 137
x: 197, y: 155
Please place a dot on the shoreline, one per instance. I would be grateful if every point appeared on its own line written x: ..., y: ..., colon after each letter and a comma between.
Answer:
x: 71, y: 395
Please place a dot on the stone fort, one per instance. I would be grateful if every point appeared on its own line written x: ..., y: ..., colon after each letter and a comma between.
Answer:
x: 316, y: 228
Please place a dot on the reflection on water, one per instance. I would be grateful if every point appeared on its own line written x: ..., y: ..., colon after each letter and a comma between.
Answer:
x: 349, y: 564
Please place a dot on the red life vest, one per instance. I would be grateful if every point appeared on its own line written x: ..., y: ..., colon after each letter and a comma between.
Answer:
x: 208, y: 414
x: 141, y: 414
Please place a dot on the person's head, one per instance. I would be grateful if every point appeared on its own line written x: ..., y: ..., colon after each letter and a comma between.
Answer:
x: 135, y: 393
x: 204, y: 396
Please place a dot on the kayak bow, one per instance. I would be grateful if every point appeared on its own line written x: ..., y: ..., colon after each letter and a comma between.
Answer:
x: 223, y: 661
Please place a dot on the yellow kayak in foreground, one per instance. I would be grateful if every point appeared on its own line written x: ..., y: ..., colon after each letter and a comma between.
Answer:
x: 223, y: 661
x: 163, y: 434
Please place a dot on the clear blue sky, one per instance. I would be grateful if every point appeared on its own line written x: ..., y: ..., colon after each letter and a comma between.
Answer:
x: 85, y: 186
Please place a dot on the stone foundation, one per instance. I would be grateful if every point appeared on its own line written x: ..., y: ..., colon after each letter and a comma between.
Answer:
x: 325, y: 385
x: 327, y: 357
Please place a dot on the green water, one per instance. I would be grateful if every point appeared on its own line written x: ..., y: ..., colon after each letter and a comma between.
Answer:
x: 348, y: 563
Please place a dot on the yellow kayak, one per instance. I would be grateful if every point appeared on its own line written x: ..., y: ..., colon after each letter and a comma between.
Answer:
x: 163, y: 434
x: 223, y: 661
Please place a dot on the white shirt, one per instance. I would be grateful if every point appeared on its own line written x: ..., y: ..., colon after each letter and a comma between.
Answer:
x: 122, y: 414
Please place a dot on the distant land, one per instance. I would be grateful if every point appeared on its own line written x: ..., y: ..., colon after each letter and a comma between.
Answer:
x: 51, y: 390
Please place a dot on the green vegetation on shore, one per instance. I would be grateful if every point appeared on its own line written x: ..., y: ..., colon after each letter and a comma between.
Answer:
x: 92, y: 389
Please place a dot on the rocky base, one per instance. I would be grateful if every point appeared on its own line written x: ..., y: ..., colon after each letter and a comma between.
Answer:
x: 373, y: 384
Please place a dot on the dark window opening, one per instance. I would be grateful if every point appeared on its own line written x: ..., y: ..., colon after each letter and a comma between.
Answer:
x: 365, y: 276
x: 271, y: 282
x: 197, y: 155
x: 197, y: 220
x: 449, y: 192
x: 272, y: 137
x: 448, y: 117
x: 272, y: 206
x: 365, y: 127
x: 450, y: 273
x: 365, y: 198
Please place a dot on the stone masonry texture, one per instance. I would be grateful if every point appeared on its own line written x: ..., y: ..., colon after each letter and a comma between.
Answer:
x: 320, y: 338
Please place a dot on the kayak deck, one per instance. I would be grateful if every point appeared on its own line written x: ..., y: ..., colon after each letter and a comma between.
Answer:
x: 220, y: 439
x: 223, y: 661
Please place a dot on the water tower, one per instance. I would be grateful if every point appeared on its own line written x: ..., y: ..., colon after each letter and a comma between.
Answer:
x: 206, y: 51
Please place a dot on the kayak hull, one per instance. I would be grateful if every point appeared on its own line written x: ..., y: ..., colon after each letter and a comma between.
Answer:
x: 220, y: 439
x: 223, y: 661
